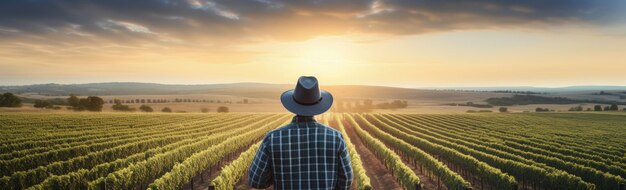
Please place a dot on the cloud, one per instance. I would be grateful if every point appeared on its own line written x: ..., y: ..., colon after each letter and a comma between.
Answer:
x: 240, y: 21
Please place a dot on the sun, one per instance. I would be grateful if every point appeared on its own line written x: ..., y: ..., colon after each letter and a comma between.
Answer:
x: 333, y: 51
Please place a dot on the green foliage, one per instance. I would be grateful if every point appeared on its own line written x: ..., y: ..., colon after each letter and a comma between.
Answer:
x: 479, y: 111
x: 222, y: 109
x: 118, y: 106
x: 597, y: 108
x: 576, y: 108
x: 403, y: 173
x: 146, y: 108
x: 91, y: 103
x: 125, y: 151
x: 532, y: 99
x: 450, y: 179
x: 613, y: 107
x: 455, y: 150
x: 232, y: 173
x: 542, y: 110
x: 73, y: 101
x: 166, y: 109
x: 360, y: 177
x: 10, y: 100
x: 182, y: 172
x: 42, y: 104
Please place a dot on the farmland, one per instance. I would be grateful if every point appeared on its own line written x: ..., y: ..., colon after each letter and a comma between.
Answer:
x: 388, y: 151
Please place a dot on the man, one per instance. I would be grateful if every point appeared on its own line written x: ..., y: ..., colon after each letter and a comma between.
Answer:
x: 303, y: 154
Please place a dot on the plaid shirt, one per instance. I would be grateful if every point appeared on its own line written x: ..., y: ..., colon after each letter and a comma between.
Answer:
x: 302, y: 155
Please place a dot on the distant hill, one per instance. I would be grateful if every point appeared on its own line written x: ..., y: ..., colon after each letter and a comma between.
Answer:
x: 256, y: 90
x: 265, y: 90
x: 540, y: 89
x: 132, y: 88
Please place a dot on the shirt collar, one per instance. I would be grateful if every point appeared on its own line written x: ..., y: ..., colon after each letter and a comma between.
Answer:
x: 302, y: 119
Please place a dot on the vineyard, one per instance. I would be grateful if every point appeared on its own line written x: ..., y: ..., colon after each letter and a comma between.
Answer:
x: 388, y: 151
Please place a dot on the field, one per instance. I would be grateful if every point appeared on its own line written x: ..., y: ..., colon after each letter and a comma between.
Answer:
x: 388, y: 150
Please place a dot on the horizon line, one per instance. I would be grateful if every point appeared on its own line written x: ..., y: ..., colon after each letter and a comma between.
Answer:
x: 451, y: 87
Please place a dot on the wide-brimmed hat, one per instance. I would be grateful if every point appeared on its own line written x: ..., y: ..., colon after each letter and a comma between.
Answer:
x: 307, y: 99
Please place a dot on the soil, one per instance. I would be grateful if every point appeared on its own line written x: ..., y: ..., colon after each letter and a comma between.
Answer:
x: 213, y: 173
x: 379, y: 175
x: 427, y: 182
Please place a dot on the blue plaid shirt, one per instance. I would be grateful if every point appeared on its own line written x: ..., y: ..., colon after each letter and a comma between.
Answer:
x: 302, y: 155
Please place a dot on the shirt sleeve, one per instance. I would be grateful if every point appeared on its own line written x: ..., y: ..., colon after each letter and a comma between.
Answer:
x: 260, y: 174
x: 344, y: 179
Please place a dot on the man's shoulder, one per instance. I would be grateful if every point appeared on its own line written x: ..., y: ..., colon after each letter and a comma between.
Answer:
x: 332, y: 130
x: 324, y: 128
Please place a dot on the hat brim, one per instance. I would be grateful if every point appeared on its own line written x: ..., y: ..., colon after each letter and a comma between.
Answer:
x: 306, y: 110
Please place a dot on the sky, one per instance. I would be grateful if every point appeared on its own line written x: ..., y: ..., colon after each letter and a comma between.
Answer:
x: 421, y: 43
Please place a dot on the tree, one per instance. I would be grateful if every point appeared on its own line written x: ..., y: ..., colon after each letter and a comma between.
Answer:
x: 245, y: 101
x: 146, y: 108
x: 73, y: 101
x: 120, y: 107
x: 503, y: 109
x: 222, y: 109
x: 542, y: 110
x: 614, y: 107
x: 93, y: 103
x: 166, y: 109
x: 597, y: 108
x: 204, y: 110
x: 10, y: 100
x: 42, y: 104
x: 577, y: 108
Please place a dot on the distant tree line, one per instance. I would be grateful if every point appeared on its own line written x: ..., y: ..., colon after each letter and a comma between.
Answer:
x: 621, y: 95
x: 176, y: 100
x: 118, y: 106
x: 612, y: 107
x: 517, y: 92
x: 479, y: 111
x: 542, y: 110
x: 46, y: 104
x: 531, y: 99
x: 470, y: 104
x: 367, y: 105
x: 494, y: 91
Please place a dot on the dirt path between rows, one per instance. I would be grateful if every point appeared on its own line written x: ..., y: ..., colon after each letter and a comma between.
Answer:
x: 214, y: 172
x: 427, y: 183
x: 380, y: 176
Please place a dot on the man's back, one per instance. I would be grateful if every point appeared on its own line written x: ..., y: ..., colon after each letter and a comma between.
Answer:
x: 302, y: 155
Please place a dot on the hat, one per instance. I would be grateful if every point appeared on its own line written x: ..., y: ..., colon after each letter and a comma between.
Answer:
x: 307, y: 99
